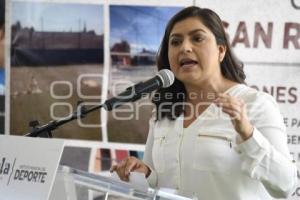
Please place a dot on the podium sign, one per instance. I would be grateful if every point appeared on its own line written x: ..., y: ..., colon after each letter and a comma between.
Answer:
x: 28, y: 166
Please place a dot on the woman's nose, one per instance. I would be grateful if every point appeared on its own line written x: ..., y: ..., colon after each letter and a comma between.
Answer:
x: 186, y: 46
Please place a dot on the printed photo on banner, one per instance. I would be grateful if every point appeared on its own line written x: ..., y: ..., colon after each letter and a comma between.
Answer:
x: 135, y: 34
x: 56, y: 60
x: 2, y: 67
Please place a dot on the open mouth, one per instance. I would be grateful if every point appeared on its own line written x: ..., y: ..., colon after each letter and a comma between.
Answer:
x: 187, y: 62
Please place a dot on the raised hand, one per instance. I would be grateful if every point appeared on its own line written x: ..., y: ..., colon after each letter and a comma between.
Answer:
x: 236, y: 109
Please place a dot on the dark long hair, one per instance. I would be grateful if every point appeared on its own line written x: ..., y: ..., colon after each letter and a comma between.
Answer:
x: 171, y: 105
x: 2, y: 14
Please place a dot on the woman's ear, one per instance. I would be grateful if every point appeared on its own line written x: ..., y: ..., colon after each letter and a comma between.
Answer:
x: 222, y: 52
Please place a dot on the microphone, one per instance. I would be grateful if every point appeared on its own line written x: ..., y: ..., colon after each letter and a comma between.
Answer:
x: 164, y: 78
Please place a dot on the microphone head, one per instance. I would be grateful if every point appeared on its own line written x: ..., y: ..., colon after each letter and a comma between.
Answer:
x: 167, y: 77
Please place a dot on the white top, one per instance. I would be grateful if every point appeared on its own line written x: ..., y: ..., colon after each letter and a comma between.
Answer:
x: 207, y: 159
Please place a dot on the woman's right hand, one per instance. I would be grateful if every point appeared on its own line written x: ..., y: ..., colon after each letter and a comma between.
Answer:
x: 128, y: 165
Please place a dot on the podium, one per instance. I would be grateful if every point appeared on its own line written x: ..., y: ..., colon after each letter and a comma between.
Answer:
x: 73, y: 184
x: 29, y: 170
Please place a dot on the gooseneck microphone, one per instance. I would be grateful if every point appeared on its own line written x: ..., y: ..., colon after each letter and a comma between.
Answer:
x: 164, y: 78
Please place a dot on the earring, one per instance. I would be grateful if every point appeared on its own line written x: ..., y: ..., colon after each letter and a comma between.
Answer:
x: 220, y: 59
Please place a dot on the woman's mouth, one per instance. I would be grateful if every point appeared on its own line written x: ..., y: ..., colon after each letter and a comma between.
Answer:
x: 187, y: 62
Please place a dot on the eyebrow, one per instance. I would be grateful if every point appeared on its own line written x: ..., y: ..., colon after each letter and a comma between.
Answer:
x: 190, y: 33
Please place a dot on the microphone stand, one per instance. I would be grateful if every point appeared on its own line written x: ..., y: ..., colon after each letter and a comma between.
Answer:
x: 46, y: 130
x: 135, y: 92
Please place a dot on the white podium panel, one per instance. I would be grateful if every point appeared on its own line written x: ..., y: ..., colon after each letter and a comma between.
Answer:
x: 28, y: 166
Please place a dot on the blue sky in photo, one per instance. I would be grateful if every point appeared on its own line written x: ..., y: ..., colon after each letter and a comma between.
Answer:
x: 141, y: 26
x: 58, y: 16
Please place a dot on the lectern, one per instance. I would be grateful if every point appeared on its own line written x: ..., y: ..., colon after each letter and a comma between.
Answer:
x: 70, y: 183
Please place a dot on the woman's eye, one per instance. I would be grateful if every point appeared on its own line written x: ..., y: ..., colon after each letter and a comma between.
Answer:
x: 175, y: 42
x: 198, y: 38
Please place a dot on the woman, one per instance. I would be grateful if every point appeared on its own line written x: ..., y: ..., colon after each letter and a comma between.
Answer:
x: 222, y: 139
